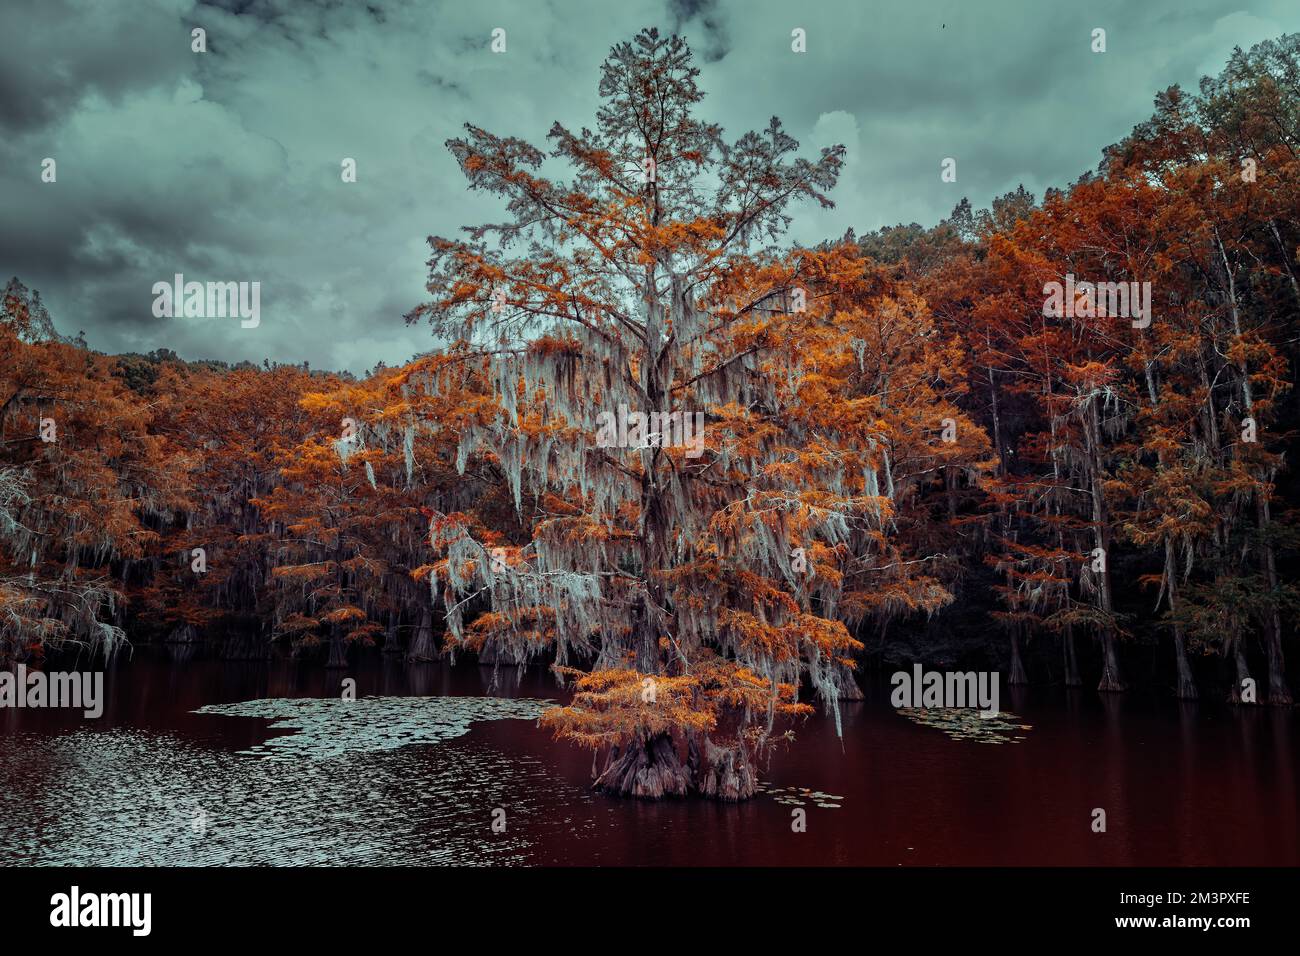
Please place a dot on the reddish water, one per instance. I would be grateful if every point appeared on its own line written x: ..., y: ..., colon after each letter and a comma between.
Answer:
x: 1180, y: 784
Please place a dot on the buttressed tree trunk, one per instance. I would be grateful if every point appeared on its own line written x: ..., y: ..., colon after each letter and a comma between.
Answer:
x: 423, y: 648
x: 724, y: 773
x: 648, y: 768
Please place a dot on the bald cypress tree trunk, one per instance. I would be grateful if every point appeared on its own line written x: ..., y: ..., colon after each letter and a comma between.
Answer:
x: 1111, y: 680
x: 423, y: 647
x: 1278, y: 693
x: 1242, y: 671
x: 849, y: 689
x: 647, y: 768
x: 392, y: 637
x: 723, y: 773
x: 1072, y: 678
x: 338, y: 657
x: 1186, y: 684
x: 1018, y: 675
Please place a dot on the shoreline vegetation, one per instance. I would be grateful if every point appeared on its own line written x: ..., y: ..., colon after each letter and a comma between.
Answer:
x: 907, y: 447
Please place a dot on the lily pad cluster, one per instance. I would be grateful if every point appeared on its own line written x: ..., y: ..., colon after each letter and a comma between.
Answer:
x: 967, y: 723
x: 800, y: 796
x: 332, y: 727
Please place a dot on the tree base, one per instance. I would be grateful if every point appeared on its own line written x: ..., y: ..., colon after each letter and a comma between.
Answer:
x: 647, y: 770
x: 338, y: 658
x: 723, y: 773
x: 1017, y: 675
x: 1279, y: 695
x: 1110, y: 684
x: 1243, y: 675
x: 849, y: 689
x: 423, y: 649
x: 185, y: 634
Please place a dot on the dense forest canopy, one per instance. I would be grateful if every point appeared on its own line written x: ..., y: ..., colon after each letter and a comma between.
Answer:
x: 880, y: 449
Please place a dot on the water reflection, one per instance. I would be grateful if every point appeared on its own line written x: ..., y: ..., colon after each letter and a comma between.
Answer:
x: 176, y: 772
x: 136, y: 798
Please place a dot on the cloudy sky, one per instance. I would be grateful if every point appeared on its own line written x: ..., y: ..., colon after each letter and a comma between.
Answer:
x: 225, y: 165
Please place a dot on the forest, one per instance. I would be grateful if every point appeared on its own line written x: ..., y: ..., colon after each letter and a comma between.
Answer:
x: 908, y: 452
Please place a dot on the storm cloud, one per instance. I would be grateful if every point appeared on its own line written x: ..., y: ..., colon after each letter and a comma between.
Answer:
x: 225, y: 165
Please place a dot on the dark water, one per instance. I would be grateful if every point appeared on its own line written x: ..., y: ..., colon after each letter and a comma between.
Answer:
x: 412, y: 772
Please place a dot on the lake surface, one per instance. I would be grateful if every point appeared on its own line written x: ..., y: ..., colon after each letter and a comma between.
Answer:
x: 276, y: 769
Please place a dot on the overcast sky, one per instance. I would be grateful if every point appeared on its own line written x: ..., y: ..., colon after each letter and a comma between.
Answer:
x: 225, y: 165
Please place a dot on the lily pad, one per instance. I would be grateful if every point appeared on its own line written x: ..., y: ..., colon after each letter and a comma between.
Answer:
x: 967, y: 723
x: 332, y: 727
x: 800, y: 796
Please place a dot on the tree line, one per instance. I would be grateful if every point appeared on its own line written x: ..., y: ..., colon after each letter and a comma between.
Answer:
x: 914, y: 444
